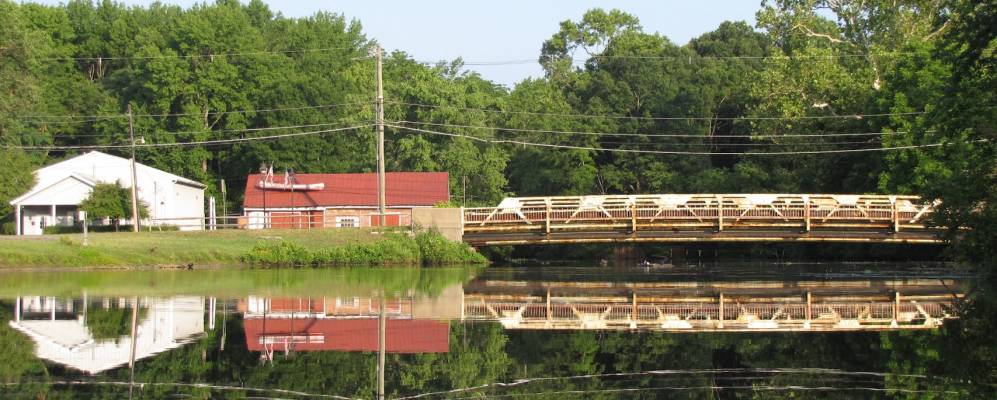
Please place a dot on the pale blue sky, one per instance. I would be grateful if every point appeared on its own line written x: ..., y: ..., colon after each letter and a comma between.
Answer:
x: 502, y: 30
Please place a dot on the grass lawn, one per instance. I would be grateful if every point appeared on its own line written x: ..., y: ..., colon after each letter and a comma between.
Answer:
x: 162, y: 248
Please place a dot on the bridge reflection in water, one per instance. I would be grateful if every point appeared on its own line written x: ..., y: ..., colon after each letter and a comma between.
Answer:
x: 752, y: 306
x: 767, y: 306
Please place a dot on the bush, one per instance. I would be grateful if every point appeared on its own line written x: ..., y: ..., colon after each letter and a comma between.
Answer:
x: 278, y: 253
x: 428, y: 248
x: 8, y: 228
x: 437, y: 250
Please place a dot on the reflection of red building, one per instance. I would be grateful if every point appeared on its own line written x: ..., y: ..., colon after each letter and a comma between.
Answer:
x: 339, y: 324
x: 356, y: 334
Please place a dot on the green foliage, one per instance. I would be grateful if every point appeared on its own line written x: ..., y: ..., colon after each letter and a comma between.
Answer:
x: 437, y: 250
x: 111, y: 323
x: 15, y: 167
x: 278, y: 252
x: 111, y: 201
x: 425, y: 248
x: 804, y: 59
x: 18, y: 350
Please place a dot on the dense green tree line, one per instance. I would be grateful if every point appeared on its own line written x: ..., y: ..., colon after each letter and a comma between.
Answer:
x: 809, y: 67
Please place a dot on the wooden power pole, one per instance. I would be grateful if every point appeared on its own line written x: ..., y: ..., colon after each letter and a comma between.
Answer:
x: 380, y: 138
x: 131, y: 133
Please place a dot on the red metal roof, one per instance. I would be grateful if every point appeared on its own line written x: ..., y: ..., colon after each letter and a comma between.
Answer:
x: 344, y: 190
x: 316, y: 334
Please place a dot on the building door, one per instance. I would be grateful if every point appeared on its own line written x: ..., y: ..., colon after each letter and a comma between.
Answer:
x: 34, y: 224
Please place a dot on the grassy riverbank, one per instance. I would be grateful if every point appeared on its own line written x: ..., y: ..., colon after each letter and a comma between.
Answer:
x: 221, y: 247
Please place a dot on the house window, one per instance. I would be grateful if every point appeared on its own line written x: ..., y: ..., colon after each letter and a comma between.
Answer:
x: 347, y: 222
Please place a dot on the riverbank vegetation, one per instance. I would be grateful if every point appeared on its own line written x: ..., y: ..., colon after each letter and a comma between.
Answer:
x: 230, y: 247
x: 236, y: 283
x: 817, y: 96
x: 427, y: 248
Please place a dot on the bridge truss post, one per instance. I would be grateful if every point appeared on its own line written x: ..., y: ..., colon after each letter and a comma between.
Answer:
x: 896, y: 307
x: 547, y: 218
x: 720, y: 213
x: 806, y: 213
x: 633, y: 216
x: 548, y: 306
x: 896, y: 215
x: 633, y: 311
x: 721, y: 312
x: 810, y: 311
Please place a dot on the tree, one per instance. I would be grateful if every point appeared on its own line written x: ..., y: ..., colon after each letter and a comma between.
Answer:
x: 111, y: 201
x: 966, y: 122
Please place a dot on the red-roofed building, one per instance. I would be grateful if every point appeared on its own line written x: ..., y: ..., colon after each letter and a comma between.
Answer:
x: 339, y: 200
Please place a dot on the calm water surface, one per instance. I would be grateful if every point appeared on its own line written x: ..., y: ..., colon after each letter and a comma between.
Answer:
x: 703, y: 332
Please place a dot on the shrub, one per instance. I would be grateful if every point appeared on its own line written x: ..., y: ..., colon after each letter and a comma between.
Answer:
x: 394, y: 249
x: 8, y: 228
x: 278, y: 253
x: 437, y: 250
x: 428, y: 248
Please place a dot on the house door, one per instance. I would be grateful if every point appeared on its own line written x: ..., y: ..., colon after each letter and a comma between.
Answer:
x: 33, y: 224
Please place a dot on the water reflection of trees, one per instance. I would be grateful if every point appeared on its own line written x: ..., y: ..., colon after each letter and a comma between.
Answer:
x: 955, y: 361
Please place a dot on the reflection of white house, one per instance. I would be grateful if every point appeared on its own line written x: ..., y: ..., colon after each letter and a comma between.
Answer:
x: 62, y: 186
x: 61, y: 334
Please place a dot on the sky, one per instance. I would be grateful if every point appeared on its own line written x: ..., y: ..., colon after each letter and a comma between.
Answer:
x: 434, y: 30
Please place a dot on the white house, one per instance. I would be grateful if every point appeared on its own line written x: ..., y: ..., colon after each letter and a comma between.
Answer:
x: 60, y: 187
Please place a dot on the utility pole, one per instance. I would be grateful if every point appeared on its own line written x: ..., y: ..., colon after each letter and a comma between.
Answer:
x: 381, y: 348
x: 131, y: 133
x: 380, y: 138
x: 224, y: 209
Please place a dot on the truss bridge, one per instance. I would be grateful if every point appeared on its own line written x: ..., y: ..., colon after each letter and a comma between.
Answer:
x: 701, y: 218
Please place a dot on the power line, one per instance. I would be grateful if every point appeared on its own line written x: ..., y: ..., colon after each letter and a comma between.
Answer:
x: 689, y: 58
x: 184, y: 144
x: 639, y: 151
x: 209, y: 55
x: 852, y: 116
x: 269, y: 128
x: 264, y: 110
x: 666, y: 135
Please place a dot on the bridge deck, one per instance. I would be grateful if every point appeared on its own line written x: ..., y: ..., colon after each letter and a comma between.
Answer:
x: 702, y: 218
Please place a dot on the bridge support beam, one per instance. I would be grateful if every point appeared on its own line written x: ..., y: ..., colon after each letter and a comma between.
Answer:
x: 721, y: 309
x: 720, y: 213
x: 806, y: 213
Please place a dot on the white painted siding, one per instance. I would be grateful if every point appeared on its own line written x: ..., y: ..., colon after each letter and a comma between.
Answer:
x: 70, y: 181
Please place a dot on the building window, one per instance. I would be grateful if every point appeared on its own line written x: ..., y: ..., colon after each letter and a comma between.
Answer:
x: 347, y: 222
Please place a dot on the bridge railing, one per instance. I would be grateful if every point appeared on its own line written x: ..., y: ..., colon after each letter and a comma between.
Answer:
x: 719, y: 211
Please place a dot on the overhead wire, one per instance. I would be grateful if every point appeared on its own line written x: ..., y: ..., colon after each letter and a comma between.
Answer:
x: 665, y: 135
x: 184, y: 144
x: 209, y: 55
x: 642, y: 151
x: 262, y: 110
x: 214, y: 131
x: 688, y: 58
x: 625, y: 117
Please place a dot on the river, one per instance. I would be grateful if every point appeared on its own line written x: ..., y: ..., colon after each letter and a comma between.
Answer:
x: 718, y: 331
